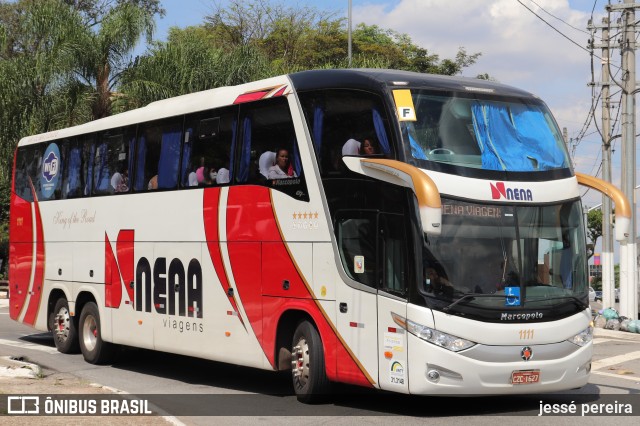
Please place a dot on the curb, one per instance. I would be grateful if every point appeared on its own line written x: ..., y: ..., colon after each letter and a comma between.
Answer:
x: 10, y: 367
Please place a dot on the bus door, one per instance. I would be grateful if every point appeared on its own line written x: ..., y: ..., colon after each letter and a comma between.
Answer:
x: 356, y: 317
x: 372, y: 248
x: 392, y: 298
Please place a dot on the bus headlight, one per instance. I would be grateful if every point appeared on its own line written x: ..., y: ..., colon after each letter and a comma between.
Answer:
x: 436, y: 337
x: 582, y: 338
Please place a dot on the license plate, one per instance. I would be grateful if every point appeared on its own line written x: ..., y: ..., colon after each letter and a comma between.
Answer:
x: 525, y: 377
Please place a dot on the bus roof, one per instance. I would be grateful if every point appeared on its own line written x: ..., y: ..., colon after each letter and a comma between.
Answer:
x: 366, y: 78
x: 371, y: 79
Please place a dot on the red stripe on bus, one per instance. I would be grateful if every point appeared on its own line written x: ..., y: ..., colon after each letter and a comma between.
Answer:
x: 261, y: 262
x: 280, y: 92
x: 21, y: 249
x: 38, y: 278
x: 112, y: 285
x: 210, y: 214
x: 248, y: 97
x: 125, y: 253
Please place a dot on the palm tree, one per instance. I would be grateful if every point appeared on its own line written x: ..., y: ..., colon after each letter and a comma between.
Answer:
x: 106, y: 54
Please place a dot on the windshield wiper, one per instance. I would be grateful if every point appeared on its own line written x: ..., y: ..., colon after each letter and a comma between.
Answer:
x: 471, y: 296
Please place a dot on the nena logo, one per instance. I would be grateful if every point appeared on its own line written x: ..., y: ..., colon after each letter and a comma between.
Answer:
x: 166, y: 286
x: 499, y: 191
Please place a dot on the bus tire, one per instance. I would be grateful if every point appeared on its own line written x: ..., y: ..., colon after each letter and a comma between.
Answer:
x: 310, y: 381
x: 94, y: 349
x: 63, y: 328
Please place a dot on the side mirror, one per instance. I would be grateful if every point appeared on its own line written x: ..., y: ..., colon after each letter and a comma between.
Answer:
x: 623, y: 207
x: 402, y: 174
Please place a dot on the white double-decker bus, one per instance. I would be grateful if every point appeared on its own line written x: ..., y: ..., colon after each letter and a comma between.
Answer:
x: 414, y: 233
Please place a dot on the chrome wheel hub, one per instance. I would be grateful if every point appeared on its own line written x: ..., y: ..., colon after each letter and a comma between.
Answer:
x: 300, y: 362
x: 61, y: 324
x: 90, y: 332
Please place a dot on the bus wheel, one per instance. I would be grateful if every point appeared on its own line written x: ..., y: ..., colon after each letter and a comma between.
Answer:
x: 310, y: 381
x: 94, y: 349
x: 63, y: 328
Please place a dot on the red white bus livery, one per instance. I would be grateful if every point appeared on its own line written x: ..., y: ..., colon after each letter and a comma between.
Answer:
x: 248, y: 225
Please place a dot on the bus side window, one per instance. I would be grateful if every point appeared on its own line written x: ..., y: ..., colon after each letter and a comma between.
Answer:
x: 158, y: 155
x: 72, y: 180
x: 336, y: 116
x: 266, y: 127
x: 208, y: 144
x: 111, y: 166
x: 22, y: 186
x: 34, y: 167
x: 357, y: 244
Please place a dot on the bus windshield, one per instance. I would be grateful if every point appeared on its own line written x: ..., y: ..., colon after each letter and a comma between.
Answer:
x: 482, y: 131
x: 527, y: 257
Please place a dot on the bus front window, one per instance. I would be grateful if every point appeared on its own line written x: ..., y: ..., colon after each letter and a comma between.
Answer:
x: 485, y: 252
x: 482, y: 131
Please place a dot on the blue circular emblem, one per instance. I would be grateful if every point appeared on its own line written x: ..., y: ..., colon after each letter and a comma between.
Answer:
x: 50, y: 171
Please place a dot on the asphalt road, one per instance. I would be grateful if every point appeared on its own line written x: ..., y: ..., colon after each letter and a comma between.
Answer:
x: 183, y: 386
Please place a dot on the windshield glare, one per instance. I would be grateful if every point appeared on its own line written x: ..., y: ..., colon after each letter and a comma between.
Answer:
x: 483, y: 132
x: 495, y: 249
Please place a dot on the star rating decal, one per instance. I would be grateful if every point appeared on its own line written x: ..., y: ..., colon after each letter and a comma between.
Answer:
x: 305, y: 215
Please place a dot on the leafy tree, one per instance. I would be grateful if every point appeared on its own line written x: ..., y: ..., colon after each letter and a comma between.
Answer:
x: 594, y: 230
x: 305, y: 38
x: 186, y: 63
x: 106, y: 55
x: 94, y: 11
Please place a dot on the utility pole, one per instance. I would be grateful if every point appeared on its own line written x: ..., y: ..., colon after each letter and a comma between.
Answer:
x: 628, y: 250
x: 608, y: 282
x: 349, y: 33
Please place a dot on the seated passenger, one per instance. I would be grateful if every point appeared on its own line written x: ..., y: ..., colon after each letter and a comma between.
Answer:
x: 283, y: 168
x: 351, y: 147
x: 193, y: 177
x: 120, y: 180
x: 223, y: 176
x: 369, y: 147
x: 266, y: 161
x: 153, y: 183
x: 435, y: 283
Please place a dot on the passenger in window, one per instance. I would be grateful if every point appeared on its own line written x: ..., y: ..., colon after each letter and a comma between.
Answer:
x: 200, y: 171
x: 206, y: 176
x: 351, y: 147
x: 193, y: 177
x: 223, y: 176
x: 436, y: 284
x: 369, y: 147
x: 120, y: 180
x: 153, y: 183
x: 213, y: 175
x: 283, y: 168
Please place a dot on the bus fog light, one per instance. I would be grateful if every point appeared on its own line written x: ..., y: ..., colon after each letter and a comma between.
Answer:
x: 433, y: 376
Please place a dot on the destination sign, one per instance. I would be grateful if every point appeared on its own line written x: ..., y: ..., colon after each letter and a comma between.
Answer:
x: 471, y: 210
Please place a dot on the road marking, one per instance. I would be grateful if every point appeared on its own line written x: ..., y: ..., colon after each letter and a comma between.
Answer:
x: 607, y: 362
x: 27, y: 345
x: 617, y: 376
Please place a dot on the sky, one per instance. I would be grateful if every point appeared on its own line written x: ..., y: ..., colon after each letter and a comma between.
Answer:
x: 517, y: 47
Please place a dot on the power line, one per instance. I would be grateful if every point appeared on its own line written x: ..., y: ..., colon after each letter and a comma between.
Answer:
x: 559, y: 19
x: 557, y: 30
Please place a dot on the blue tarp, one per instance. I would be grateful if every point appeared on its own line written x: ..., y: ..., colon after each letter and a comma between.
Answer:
x: 515, y: 138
